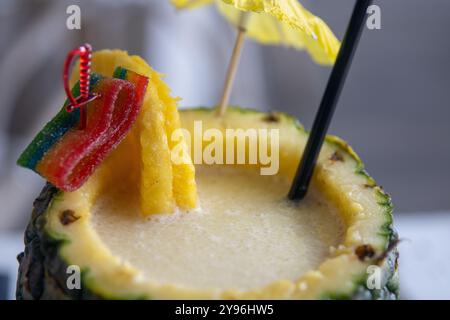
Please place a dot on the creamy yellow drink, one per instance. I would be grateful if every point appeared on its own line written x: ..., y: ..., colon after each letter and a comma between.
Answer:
x: 244, y: 235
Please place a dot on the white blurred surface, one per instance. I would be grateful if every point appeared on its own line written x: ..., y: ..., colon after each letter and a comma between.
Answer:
x: 10, y: 246
x: 424, y: 255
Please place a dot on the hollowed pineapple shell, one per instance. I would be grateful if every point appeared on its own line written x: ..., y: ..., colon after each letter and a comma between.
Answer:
x: 55, y: 238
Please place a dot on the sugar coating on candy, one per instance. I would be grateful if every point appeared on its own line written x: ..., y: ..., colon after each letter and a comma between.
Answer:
x: 52, y: 131
x: 64, y: 164
x: 67, y: 156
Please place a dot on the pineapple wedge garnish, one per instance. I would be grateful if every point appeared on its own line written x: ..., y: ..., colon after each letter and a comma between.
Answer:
x: 163, y: 185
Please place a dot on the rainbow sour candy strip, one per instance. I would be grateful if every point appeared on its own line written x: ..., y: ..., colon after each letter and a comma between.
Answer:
x: 53, y: 130
x: 67, y: 156
x: 122, y: 121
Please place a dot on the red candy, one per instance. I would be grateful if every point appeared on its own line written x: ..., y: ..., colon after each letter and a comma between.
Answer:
x: 74, y: 157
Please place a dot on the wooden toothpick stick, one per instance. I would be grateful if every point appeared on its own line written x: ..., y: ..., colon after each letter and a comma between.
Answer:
x: 234, y: 61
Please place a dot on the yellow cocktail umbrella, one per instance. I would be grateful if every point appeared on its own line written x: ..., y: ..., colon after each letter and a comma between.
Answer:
x: 275, y: 22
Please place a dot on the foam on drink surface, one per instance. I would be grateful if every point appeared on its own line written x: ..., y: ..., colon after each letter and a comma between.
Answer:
x: 245, y: 235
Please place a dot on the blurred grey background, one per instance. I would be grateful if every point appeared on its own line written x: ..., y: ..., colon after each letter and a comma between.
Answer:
x: 394, y: 110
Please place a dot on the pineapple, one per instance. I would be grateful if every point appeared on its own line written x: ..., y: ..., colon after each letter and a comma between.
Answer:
x: 62, y: 231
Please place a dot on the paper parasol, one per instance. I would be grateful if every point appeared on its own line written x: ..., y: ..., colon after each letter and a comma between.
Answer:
x: 274, y: 22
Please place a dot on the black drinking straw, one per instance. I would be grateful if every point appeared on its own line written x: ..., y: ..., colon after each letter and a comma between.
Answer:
x: 322, y: 121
